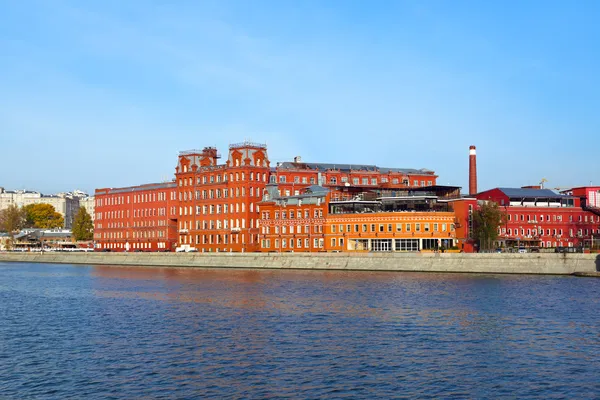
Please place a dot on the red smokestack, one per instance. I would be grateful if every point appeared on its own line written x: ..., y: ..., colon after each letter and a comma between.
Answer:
x: 472, y: 171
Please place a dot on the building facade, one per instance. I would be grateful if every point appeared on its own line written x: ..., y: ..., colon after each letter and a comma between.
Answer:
x: 218, y: 202
x: 542, y: 218
x: 137, y: 218
x: 409, y: 220
x: 345, y: 180
x: 293, y: 223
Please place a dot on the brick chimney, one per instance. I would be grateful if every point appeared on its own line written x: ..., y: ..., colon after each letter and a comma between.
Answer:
x: 472, y: 171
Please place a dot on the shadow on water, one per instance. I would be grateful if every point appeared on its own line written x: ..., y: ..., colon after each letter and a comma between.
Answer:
x: 598, y: 263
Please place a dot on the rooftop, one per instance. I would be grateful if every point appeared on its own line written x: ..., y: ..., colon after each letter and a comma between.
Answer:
x: 522, y: 193
x: 350, y: 167
x: 149, y: 186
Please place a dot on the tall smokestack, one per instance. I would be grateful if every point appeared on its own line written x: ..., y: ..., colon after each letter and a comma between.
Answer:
x: 472, y: 171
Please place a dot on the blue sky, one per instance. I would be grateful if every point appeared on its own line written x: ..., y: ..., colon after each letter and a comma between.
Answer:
x: 105, y: 93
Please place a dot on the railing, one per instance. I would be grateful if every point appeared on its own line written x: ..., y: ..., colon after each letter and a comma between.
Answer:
x: 197, y: 151
x: 247, y: 144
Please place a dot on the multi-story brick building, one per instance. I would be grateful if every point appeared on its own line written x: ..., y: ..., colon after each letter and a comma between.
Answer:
x: 293, y: 223
x: 540, y: 217
x: 137, y: 218
x: 218, y: 202
x: 345, y: 180
x: 409, y: 220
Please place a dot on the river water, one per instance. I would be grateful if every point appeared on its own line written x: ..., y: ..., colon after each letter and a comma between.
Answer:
x: 124, y: 333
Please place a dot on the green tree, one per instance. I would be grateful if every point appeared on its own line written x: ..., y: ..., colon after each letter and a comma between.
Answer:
x: 42, y: 216
x: 83, y: 227
x: 486, y: 221
x: 12, y: 220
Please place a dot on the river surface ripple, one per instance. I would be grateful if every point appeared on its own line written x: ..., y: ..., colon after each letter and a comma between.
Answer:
x: 121, y: 333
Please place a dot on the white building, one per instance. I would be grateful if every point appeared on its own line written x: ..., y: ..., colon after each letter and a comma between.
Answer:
x: 89, y: 203
x: 67, y: 204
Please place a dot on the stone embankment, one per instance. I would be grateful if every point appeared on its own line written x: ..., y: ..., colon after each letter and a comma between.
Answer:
x: 495, y: 263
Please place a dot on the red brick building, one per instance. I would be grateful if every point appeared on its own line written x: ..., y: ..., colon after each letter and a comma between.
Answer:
x: 218, y: 202
x: 214, y: 207
x: 142, y: 218
x: 540, y: 217
x: 377, y: 220
x: 345, y: 180
x: 293, y: 223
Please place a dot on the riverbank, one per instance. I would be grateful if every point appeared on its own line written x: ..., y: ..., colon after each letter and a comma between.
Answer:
x: 496, y: 263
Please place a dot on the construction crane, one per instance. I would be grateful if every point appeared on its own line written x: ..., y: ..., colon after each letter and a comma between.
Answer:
x: 544, y: 180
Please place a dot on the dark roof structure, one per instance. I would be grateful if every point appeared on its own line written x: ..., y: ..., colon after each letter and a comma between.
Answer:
x: 519, y: 193
x: 349, y: 167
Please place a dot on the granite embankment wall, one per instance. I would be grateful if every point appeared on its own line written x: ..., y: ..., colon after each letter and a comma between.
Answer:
x: 530, y: 263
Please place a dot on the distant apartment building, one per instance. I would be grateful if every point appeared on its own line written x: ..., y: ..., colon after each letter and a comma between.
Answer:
x: 64, y: 203
x: 89, y: 203
x: 137, y: 218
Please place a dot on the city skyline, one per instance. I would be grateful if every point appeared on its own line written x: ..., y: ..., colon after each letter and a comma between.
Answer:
x: 105, y: 94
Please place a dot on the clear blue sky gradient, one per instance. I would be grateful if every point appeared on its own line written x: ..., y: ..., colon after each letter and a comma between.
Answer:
x: 105, y: 93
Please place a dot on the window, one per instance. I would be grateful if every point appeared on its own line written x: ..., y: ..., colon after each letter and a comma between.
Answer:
x: 282, y: 179
x: 373, y: 181
x: 398, y: 227
x: 365, y: 181
x: 333, y: 180
x: 407, y: 227
x: 355, y: 181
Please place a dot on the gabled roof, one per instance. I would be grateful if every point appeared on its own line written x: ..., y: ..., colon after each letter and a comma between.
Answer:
x: 531, y: 193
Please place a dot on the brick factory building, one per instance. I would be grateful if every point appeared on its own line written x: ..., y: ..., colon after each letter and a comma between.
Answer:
x: 345, y: 180
x: 137, y: 218
x: 543, y: 218
x: 293, y: 223
x: 218, y: 202
x: 378, y: 220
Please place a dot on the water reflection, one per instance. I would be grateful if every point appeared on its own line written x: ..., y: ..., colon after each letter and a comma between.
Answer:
x: 131, y: 332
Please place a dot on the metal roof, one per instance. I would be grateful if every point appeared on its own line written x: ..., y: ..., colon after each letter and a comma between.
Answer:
x: 348, y: 167
x: 531, y: 193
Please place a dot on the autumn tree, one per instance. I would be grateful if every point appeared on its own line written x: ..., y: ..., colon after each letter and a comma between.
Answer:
x: 486, y: 221
x: 83, y: 227
x: 12, y: 219
x: 42, y: 216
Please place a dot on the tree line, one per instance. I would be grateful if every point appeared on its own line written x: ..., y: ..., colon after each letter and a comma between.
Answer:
x: 44, y: 216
